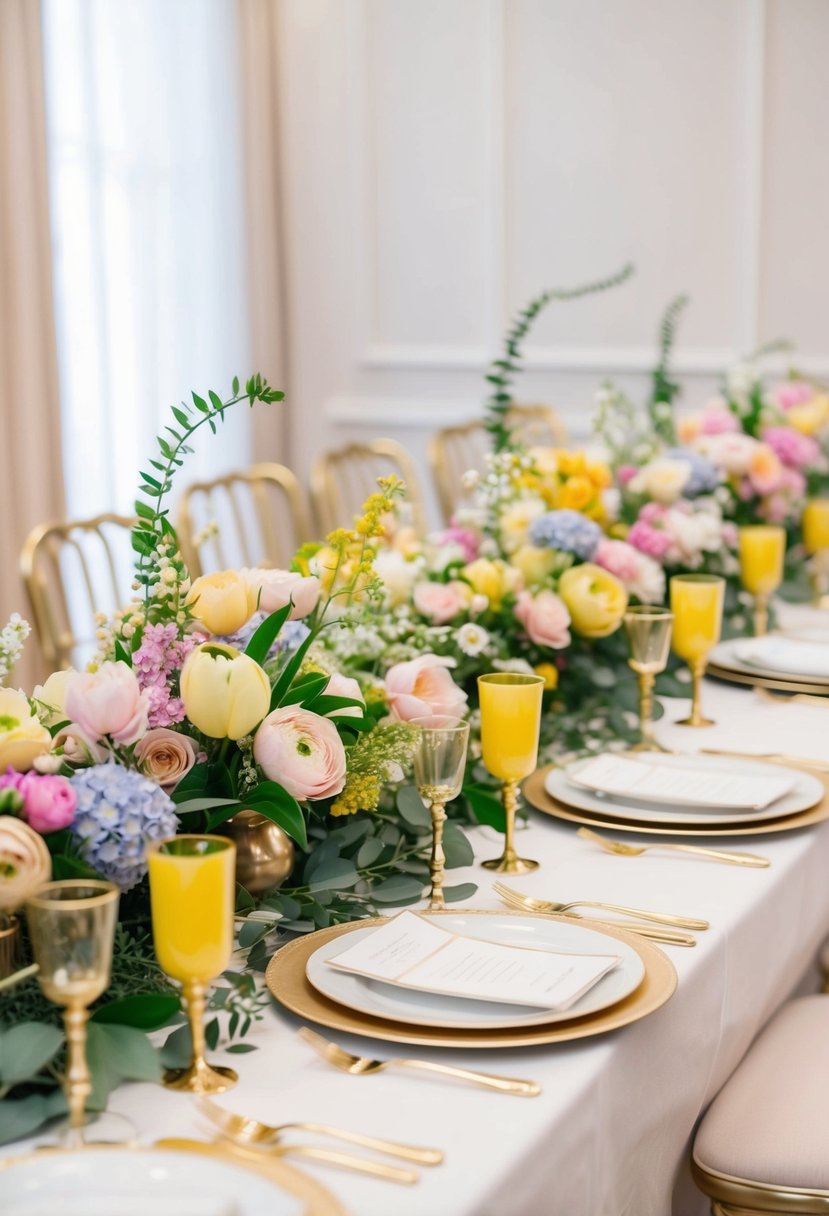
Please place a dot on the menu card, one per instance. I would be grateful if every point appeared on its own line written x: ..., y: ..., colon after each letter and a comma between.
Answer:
x: 713, y: 787
x: 413, y: 952
x: 785, y: 654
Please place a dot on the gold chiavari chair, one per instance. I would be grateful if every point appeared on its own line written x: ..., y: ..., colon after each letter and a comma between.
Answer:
x: 455, y: 450
x: 255, y: 517
x: 341, y: 481
x: 71, y: 571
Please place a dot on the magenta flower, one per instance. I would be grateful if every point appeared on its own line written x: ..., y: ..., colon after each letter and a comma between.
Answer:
x: 649, y: 540
x: 48, y: 801
x: 156, y: 662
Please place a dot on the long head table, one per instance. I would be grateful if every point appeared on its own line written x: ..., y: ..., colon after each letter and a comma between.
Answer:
x: 610, y: 1133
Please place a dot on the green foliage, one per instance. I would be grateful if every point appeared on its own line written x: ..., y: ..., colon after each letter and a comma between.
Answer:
x: 502, y: 370
x: 663, y: 389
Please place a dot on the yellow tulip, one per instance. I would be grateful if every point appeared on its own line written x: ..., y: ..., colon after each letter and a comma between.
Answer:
x: 51, y: 698
x: 222, y: 602
x: 225, y: 693
x: 536, y: 565
x: 595, y: 599
x: 494, y: 579
x: 22, y: 738
x: 549, y: 674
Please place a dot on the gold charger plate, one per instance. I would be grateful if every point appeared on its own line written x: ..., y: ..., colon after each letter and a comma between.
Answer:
x: 287, y: 983
x: 536, y: 795
x: 778, y: 683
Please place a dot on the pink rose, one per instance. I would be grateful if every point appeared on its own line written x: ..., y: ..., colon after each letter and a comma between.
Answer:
x: 108, y: 701
x: 649, y: 540
x: 794, y: 449
x: 302, y: 751
x: 422, y: 687
x: 718, y: 420
x: 48, y: 802
x: 619, y: 558
x: 165, y: 756
x: 545, y: 618
x: 440, y: 602
x: 345, y: 686
x: 277, y: 587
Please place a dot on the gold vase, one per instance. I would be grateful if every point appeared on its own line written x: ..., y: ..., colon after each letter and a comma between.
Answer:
x: 264, y: 853
x: 9, y: 946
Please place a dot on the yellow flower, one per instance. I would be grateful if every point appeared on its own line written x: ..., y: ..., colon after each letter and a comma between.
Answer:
x: 225, y: 693
x: 536, y: 565
x: 577, y: 493
x: 570, y: 463
x: 595, y: 599
x: 549, y: 674
x: 515, y: 520
x: 222, y: 602
x: 599, y: 473
x: 494, y: 579
x: 22, y: 738
x: 51, y: 698
x: 810, y: 416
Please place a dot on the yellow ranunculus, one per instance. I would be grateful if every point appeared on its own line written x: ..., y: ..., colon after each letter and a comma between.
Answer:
x: 536, y: 565
x: 570, y: 464
x: 810, y: 416
x: 599, y: 473
x: 22, y: 738
x: 494, y: 579
x: 223, y: 602
x: 576, y: 493
x: 549, y: 674
x: 595, y: 599
x: 225, y: 693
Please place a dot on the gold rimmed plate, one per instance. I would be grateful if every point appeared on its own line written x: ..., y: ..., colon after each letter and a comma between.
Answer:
x: 777, y: 683
x: 537, y: 796
x: 289, y: 985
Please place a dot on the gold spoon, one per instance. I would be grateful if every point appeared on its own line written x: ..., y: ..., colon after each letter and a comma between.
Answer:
x: 729, y: 856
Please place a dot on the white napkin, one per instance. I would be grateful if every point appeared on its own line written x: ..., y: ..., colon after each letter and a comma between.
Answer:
x: 786, y: 655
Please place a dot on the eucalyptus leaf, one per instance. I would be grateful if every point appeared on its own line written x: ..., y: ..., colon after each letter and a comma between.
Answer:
x: 399, y: 888
x: 177, y: 1050
x: 239, y: 1049
x: 369, y: 851
x: 463, y: 890
x: 148, y: 1011
x: 486, y: 806
x: 252, y: 932
x: 27, y: 1048
x: 21, y: 1116
x: 456, y: 847
x: 116, y: 1054
x: 411, y: 807
x: 334, y: 875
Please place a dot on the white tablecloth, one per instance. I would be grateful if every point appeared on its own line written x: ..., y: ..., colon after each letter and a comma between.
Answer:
x: 610, y: 1134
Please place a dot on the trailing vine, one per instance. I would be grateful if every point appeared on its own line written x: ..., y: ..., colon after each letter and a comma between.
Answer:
x: 663, y: 388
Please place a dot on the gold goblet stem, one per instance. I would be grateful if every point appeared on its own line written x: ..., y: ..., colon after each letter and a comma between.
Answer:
x: 200, y: 1077
x: 761, y: 615
x: 78, y: 1082
x: 697, y: 718
x: 436, y: 868
x: 509, y: 862
x: 646, y: 743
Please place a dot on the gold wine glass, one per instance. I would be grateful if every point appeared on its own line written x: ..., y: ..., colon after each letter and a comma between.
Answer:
x: 697, y: 604
x: 192, y: 890
x: 72, y: 926
x: 762, y: 553
x: 815, y: 527
x: 510, y: 722
x: 648, y: 631
x: 439, y: 764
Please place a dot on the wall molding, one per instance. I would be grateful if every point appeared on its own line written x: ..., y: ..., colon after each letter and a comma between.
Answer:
x: 596, y: 359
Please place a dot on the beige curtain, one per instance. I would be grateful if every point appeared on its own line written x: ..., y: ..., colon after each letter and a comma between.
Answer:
x: 259, y: 80
x: 31, y: 478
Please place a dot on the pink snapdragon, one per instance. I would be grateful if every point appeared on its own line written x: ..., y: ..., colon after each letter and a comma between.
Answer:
x: 160, y: 655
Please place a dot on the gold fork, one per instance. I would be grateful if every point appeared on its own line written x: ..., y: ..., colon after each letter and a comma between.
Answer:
x: 659, y: 918
x: 241, y: 1128
x: 730, y: 856
x: 668, y: 937
x: 359, y: 1066
x: 344, y: 1161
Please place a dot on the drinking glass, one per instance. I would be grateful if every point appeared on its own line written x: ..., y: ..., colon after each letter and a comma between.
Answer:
x: 815, y: 526
x: 762, y: 553
x: 72, y: 926
x: 510, y: 722
x: 648, y: 631
x: 192, y: 890
x: 439, y: 764
x: 697, y: 605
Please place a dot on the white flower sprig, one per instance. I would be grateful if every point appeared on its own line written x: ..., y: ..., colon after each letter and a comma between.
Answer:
x: 12, y: 637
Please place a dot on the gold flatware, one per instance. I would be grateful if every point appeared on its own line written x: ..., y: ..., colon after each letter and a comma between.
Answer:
x: 242, y: 1129
x: 344, y: 1161
x: 799, y: 698
x: 820, y: 766
x: 659, y: 918
x: 728, y: 856
x: 362, y: 1066
x: 668, y: 937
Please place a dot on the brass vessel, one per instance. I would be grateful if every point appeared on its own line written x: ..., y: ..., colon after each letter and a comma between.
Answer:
x: 264, y: 853
x: 10, y: 952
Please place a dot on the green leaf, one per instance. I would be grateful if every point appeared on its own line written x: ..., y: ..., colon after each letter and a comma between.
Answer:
x: 335, y: 875
x: 22, y: 1116
x: 253, y: 931
x: 147, y: 1011
x: 325, y: 704
x: 211, y: 1033
x: 215, y: 399
x: 205, y: 804
x: 486, y: 806
x: 194, y: 782
x: 463, y: 890
x: 456, y: 847
x: 177, y: 1050
x: 239, y: 1049
x: 122, y: 655
x: 290, y: 670
x: 200, y: 403
x: 274, y: 802
x: 64, y: 866
x: 305, y: 692
x: 369, y: 851
x: 235, y: 386
x: 267, y: 633
x: 116, y: 1054
x: 181, y: 418
x: 27, y: 1048
x: 412, y: 809
x: 398, y: 889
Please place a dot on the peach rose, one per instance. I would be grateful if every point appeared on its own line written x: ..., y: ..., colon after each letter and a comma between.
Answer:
x: 165, y: 756
x: 25, y: 862
x: 545, y: 618
x: 423, y: 687
x: 440, y: 602
x: 276, y: 587
x: 345, y: 686
x: 108, y: 701
x: 302, y: 751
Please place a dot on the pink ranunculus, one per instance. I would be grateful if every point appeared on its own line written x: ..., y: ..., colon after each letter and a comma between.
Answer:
x: 302, y: 751
x: 277, y: 587
x: 649, y: 540
x: 108, y: 701
x: 345, y: 686
x: 619, y: 558
x: 795, y: 450
x: 626, y: 473
x: 48, y: 801
x: 545, y: 618
x: 440, y: 602
x: 717, y: 419
x: 165, y: 756
x: 423, y: 686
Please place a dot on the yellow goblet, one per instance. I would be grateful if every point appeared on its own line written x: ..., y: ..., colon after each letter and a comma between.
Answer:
x: 72, y: 926
x: 192, y: 888
x: 510, y: 722
x: 648, y: 631
x: 697, y: 604
x: 762, y: 553
x: 815, y: 526
x: 439, y: 764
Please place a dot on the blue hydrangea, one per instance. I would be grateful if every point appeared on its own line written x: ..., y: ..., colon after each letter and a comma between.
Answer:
x: 704, y: 477
x: 291, y: 635
x: 566, y: 530
x: 118, y: 812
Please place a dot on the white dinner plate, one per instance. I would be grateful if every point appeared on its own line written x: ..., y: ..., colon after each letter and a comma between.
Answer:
x: 431, y: 1009
x: 138, y: 1182
x: 807, y: 792
x: 726, y: 655
x: 624, y: 778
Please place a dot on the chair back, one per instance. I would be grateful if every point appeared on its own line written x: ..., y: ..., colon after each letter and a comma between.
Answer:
x: 255, y: 517
x: 537, y: 426
x: 71, y: 571
x: 342, y: 480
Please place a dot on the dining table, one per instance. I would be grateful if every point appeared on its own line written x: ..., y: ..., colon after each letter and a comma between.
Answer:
x: 611, y: 1131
